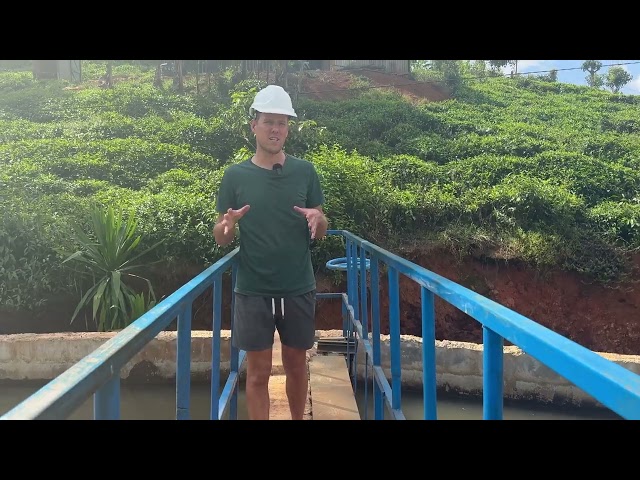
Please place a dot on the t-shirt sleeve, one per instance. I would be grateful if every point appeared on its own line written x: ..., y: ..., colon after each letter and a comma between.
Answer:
x: 226, y: 198
x: 315, y: 196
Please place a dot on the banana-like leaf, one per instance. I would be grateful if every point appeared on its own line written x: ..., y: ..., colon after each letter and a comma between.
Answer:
x: 109, y: 255
x: 97, y: 298
x: 83, y: 301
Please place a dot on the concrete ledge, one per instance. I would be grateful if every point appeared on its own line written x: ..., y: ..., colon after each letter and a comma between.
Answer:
x: 45, y: 356
x: 41, y: 357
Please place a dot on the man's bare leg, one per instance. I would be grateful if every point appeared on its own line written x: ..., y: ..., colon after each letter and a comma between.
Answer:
x: 258, y: 373
x: 294, y: 361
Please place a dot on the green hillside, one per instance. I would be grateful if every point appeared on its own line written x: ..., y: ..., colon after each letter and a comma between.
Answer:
x: 511, y: 169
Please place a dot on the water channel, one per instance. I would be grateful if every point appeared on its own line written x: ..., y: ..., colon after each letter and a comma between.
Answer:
x: 158, y: 402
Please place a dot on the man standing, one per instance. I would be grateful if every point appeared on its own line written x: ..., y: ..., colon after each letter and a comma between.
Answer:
x: 276, y: 200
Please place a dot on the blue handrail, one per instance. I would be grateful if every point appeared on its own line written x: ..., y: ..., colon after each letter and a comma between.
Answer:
x: 99, y: 372
x: 614, y: 386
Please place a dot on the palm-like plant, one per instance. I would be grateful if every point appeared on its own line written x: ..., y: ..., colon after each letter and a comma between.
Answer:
x: 108, y: 257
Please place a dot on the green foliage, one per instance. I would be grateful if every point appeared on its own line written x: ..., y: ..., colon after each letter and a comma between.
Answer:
x: 623, y: 122
x: 620, y: 221
x: 523, y: 201
x: 125, y: 162
x: 354, y: 193
x: 36, y: 102
x: 132, y: 99
x: 590, y: 178
x: 404, y: 171
x: 595, y: 257
x: 27, y: 261
x: 367, y: 123
x: 16, y: 130
x: 518, y: 169
x: 139, y: 70
x: 107, y: 256
x: 183, y: 217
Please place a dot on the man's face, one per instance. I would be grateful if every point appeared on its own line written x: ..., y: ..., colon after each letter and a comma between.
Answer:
x: 271, y: 131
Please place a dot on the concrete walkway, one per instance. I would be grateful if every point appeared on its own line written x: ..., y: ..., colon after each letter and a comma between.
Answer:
x: 331, y: 391
x: 279, y: 409
x: 330, y: 395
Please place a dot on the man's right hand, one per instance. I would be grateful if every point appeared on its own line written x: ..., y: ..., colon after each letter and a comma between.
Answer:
x: 230, y: 219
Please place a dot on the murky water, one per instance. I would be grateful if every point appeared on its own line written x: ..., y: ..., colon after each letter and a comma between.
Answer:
x: 158, y: 402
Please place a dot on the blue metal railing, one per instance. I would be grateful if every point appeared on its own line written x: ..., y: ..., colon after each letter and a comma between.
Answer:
x: 609, y: 383
x: 98, y: 373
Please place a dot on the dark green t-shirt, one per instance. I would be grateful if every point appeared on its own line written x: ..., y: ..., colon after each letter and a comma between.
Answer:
x: 275, y: 259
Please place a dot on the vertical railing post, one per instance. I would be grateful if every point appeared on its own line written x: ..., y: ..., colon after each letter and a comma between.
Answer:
x: 378, y: 406
x: 355, y: 301
x: 364, y: 321
x: 356, y: 310
x: 364, y: 316
x: 106, y: 400
x: 234, y: 352
x: 394, y: 331
x: 492, y: 374
x: 352, y: 295
x: 429, y: 394
x: 183, y: 364
x: 345, y: 320
x: 350, y: 271
x: 350, y: 283
x: 215, y: 350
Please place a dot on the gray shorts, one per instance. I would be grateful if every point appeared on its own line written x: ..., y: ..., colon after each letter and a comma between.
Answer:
x: 256, y: 319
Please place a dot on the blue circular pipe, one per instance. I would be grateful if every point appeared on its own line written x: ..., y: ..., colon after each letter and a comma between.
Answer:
x: 341, y: 263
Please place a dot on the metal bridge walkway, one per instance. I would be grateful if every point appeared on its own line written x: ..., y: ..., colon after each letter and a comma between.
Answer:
x: 369, y: 269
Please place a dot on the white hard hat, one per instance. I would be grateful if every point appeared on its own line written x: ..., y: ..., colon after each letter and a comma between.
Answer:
x: 272, y: 99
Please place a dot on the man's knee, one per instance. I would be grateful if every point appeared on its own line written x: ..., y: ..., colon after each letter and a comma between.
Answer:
x: 294, y: 360
x: 259, y: 366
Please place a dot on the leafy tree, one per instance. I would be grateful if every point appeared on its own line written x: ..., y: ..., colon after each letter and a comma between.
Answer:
x: 451, y: 72
x: 552, y: 77
x: 616, y: 78
x: 497, y: 65
x: 593, y: 79
x: 478, y: 68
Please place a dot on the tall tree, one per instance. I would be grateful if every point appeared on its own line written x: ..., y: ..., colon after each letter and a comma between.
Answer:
x: 616, y: 78
x: 450, y: 70
x: 178, y: 79
x: 592, y: 67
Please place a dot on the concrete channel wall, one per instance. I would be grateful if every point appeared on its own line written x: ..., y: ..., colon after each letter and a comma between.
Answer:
x: 41, y: 357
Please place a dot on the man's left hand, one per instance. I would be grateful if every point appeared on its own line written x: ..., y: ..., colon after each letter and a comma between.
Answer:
x: 315, y: 219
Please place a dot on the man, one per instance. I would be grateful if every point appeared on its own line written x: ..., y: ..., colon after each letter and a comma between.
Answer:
x: 276, y: 200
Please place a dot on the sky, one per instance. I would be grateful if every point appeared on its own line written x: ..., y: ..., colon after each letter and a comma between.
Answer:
x: 574, y: 73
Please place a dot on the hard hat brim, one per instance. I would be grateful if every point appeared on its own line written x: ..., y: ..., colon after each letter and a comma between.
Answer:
x: 281, y: 111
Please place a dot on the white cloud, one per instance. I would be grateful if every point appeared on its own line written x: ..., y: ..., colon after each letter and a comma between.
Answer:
x: 532, y: 64
x: 634, y: 84
x: 529, y: 65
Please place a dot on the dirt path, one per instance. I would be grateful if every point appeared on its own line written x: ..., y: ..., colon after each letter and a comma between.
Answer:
x: 321, y: 85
